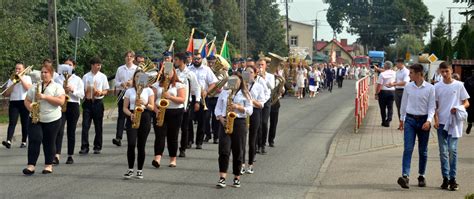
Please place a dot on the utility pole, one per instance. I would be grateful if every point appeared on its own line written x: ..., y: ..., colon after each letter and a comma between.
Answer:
x: 449, y: 24
x: 287, y: 27
x: 431, y: 32
x: 243, y: 28
x: 53, y: 31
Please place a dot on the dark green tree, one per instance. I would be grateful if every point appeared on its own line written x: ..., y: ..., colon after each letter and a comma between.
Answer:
x: 447, y: 50
x: 199, y: 15
x: 441, y: 28
x: 227, y: 18
x: 172, y: 23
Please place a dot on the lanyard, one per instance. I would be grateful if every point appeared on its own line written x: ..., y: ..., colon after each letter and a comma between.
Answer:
x: 44, y: 87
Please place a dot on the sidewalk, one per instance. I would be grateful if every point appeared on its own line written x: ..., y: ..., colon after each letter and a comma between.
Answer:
x: 368, y: 164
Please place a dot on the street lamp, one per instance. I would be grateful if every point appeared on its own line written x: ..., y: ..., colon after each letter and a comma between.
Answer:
x: 316, y: 25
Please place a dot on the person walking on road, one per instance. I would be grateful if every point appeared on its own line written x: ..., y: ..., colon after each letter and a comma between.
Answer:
x: 402, y: 79
x: 329, y: 77
x: 341, y: 73
x: 417, y: 111
x: 385, y: 93
x: 469, y: 85
x: 451, y: 104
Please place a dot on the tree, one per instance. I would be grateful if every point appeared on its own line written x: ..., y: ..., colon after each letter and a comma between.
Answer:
x: 172, y: 22
x: 408, y: 44
x: 436, y: 47
x: 227, y: 18
x: 447, y: 51
x: 464, y: 39
x: 441, y: 29
x: 200, y: 16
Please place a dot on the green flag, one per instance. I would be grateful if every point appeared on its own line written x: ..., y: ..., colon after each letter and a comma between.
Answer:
x: 225, y: 52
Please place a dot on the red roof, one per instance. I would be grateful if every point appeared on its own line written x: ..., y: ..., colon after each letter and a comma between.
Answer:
x: 320, y: 45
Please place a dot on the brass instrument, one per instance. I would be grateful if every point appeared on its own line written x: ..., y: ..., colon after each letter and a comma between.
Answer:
x: 220, y: 69
x: 138, y: 108
x: 164, y: 103
x: 35, y: 106
x: 275, y: 63
x: 66, y: 78
x: 230, y: 115
x: 15, y: 78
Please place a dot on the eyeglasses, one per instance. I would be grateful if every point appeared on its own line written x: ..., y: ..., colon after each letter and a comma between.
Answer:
x: 197, y: 58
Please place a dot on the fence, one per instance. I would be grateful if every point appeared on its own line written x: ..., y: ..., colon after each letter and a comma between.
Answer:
x: 362, y: 89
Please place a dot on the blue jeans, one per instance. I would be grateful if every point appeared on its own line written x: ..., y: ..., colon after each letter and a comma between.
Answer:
x: 413, y: 129
x: 448, y: 148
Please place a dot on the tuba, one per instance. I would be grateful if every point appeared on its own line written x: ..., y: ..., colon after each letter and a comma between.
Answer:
x: 220, y: 69
x: 35, y: 106
x: 275, y: 63
x: 164, y: 103
x: 66, y: 78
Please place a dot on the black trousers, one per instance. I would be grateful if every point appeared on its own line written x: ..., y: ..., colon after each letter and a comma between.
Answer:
x: 43, y: 133
x: 92, y: 111
x: 329, y: 83
x: 120, y: 120
x: 71, y: 116
x: 136, y: 138
x: 255, y: 122
x: 273, y: 122
x: 15, y: 109
x: 214, y: 126
x: 386, y: 99
x: 168, y: 131
x: 203, y: 122
x: 185, y: 128
x: 398, y: 99
x: 339, y: 81
x: 263, y: 130
x: 191, y: 117
x: 231, y: 143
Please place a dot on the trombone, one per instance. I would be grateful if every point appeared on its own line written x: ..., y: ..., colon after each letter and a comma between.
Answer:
x: 15, y: 78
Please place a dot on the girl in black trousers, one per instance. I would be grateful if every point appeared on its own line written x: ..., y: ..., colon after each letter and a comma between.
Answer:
x: 136, y: 137
x: 175, y: 95
x: 50, y: 97
x: 242, y: 106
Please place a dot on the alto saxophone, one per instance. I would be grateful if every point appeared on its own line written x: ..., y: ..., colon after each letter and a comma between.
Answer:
x: 230, y: 115
x: 138, y: 109
x: 163, y: 104
x: 35, y: 106
x: 64, y: 105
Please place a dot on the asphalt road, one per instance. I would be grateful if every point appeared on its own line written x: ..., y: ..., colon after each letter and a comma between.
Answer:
x: 304, y: 134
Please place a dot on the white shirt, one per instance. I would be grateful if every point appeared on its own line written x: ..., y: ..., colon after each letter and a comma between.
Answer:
x: 173, y: 91
x: 204, y: 75
x: 131, y: 95
x: 266, y: 91
x: 449, y: 96
x: 385, y: 78
x: 124, y: 74
x: 269, y: 83
x: 189, y: 79
x: 77, y: 87
x: 257, y: 93
x: 48, y: 112
x: 97, y: 81
x: 239, y: 98
x: 19, y: 92
x: 418, y: 100
x: 403, y: 75
x: 301, y: 73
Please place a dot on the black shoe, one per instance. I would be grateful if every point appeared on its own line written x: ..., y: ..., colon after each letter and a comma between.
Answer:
x: 468, y: 130
x: 55, y: 161
x: 271, y: 144
x: 403, y: 182
x: 207, y: 138
x: 190, y: 145
x: 421, y: 181
x: 155, y: 164
x: 23, y: 145
x: 198, y: 146
x: 84, y: 151
x: 453, y: 186
x: 28, y: 172
x: 445, y: 183
x: 96, y: 151
x: 262, y: 151
x: 117, y: 142
x: 7, y: 144
x: 182, y: 153
x: 216, y: 141
x: 257, y: 150
x: 69, y: 160
x: 46, y: 171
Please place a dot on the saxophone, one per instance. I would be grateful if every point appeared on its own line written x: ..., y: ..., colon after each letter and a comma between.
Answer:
x: 138, y: 109
x: 163, y: 104
x: 35, y: 106
x: 230, y: 115
x: 66, y: 77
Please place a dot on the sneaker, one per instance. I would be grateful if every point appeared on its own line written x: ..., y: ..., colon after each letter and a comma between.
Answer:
x: 69, y: 160
x: 242, y: 170
x: 221, y: 183
x: 421, y: 181
x: 182, y: 153
x: 198, y: 146
x: 96, y: 151
x: 139, y: 174
x: 403, y: 182
x: 445, y: 183
x: 7, y: 144
x: 117, y: 142
x: 128, y: 174
x: 55, y: 161
x: 262, y: 151
x: 84, y: 151
x: 23, y: 145
x: 236, y: 183
x: 453, y: 186
x: 250, y: 170
x: 216, y: 141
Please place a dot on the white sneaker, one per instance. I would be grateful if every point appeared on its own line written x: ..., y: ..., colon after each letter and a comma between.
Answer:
x: 242, y: 171
x: 250, y: 170
x: 221, y: 183
x: 128, y: 174
x: 139, y: 174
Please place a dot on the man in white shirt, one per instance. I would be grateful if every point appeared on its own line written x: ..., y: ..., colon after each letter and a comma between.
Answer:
x: 450, y: 93
x: 385, y: 93
x: 207, y: 80
x: 123, y: 80
x: 416, y: 115
x: 402, y: 78
x: 269, y: 84
x: 96, y: 87
x: 17, y: 92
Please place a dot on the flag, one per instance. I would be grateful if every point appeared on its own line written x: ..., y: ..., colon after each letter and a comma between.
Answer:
x: 225, y: 48
x: 203, y: 47
x: 190, y: 47
x: 212, y: 48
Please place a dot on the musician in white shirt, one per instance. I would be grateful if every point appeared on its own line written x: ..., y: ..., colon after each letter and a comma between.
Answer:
x: 402, y: 78
x: 385, y: 93
x: 269, y: 80
x: 231, y: 141
x: 75, y: 90
x: 17, y: 93
x: 96, y: 87
x: 123, y: 80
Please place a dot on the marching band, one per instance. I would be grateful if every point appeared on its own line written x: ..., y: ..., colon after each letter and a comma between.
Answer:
x: 231, y: 106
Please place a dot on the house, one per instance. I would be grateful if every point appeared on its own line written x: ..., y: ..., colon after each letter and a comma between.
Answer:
x: 344, y: 52
x: 301, y: 39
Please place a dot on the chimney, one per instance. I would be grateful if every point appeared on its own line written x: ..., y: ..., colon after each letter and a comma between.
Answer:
x: 344, y: 42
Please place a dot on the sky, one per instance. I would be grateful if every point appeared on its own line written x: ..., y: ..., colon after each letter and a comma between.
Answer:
x: 305, y: 11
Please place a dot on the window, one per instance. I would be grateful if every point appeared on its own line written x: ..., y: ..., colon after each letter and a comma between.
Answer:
x: 338, y: 53
x: 294, y: 41
x: 289, y: 27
